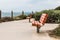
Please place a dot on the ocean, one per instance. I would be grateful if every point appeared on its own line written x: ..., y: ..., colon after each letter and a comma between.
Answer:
x: 8, y: 14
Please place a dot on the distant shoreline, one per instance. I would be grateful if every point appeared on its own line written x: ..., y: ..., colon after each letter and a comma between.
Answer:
x: 8, y: 14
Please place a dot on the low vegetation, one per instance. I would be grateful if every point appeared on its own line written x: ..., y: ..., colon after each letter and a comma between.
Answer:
x: 53, y: 16
x: 5, y: 19
x: 55, y: 33
x: 22, y: 16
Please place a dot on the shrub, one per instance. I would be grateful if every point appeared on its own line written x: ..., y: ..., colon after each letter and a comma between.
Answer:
x: 57, y: 8
x: 37, y: 15
x: 57, y: 31
x: 4, y: 19
x: 22, y: 16
x: 0, y: 20
x: 53, y: 17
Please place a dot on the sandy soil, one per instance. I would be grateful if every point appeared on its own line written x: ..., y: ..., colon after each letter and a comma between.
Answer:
x: 23, y: 30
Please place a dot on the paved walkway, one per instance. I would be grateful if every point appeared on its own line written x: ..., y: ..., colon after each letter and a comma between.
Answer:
x: 23, y: 30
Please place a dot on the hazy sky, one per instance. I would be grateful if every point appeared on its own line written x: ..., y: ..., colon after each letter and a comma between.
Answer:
x: 28, y: 5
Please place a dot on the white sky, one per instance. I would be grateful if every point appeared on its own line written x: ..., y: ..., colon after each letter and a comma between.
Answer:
x: 28, y: 5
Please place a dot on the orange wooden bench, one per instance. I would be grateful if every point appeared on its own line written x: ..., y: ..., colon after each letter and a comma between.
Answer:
x: 41, y: 22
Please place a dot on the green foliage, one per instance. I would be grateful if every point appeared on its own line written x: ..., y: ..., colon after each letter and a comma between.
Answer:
x: 57, y: 8
x: 53, y: 17
x: 37, y: 15
x: 57, y: 31
x: 22, y: 16
x: 57, y: 11
x: 5, y: 19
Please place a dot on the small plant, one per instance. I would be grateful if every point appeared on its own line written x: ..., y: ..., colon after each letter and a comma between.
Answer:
x: 5, y: 19
x: 22, y: 16
x: 57, y: 31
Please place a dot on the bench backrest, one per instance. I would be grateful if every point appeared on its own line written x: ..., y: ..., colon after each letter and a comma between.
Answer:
x: 43, y: 18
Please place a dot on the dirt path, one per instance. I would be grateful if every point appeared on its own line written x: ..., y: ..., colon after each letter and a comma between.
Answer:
x: 23, y: 30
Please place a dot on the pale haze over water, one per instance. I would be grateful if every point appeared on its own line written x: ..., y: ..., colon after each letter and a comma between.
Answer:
x: 8, y: 14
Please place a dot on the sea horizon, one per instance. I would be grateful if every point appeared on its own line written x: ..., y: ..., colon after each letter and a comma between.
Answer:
x: 8, y: 14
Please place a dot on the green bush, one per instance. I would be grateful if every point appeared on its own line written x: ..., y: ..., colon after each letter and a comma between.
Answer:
x: 0, y: 20
x: 22, y: 16
x: 53, y: 17
x: 5, y: 19
x: 57, y: 8
x: 37, y: 15
x: 57, y: 31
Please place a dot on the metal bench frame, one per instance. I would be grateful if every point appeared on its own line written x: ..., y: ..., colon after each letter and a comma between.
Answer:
x: 42, y: 20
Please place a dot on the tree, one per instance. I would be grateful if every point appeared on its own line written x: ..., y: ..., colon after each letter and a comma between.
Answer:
x: 57, y: 8
x: 0, y: 14
x: 22, y: 12
x: 12, y: 14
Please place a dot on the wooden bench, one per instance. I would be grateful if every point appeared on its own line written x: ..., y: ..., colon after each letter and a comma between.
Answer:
x: 41, y: 22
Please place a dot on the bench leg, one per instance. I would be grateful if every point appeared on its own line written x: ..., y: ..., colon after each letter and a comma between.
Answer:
x: 38, y: 29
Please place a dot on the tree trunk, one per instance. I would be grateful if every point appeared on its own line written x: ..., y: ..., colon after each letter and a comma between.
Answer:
x: 0, y: 14
x: 12, y: 14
